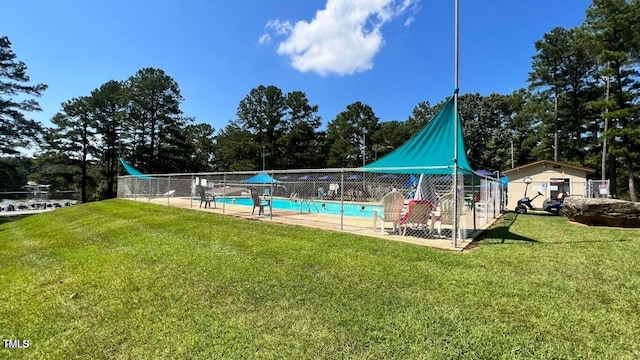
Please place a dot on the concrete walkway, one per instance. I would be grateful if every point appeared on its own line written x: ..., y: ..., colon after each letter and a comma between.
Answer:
x: 322, y: 221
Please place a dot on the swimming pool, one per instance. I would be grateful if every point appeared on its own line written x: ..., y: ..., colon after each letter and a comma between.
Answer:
x: 329, y: 208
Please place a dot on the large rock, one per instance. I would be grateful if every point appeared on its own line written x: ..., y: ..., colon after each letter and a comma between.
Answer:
x: 608, y: 212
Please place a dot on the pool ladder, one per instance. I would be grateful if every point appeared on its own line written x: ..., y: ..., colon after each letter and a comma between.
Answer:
x: 308, y: 201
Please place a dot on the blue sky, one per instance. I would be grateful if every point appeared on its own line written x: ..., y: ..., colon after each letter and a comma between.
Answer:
x: 389, y: 54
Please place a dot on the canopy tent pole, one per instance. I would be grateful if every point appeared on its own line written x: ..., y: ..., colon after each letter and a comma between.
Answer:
x: 418, y: 195
x: 456, y: 219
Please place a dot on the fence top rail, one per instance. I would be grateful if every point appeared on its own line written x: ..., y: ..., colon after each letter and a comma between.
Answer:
x: 410, y: 170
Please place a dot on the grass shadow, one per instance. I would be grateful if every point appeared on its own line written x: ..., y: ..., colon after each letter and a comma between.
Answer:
x: 500, y: 232
x: 585, y: 241
x: 12, y: 218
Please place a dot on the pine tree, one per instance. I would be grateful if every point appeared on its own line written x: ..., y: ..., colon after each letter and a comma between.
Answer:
x: 15, y: 129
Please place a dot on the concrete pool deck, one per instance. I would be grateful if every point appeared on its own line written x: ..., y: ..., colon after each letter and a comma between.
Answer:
x: 356, y: 226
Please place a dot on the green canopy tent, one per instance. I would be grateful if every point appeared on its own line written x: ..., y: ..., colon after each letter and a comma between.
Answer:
x: 140, y: 184
x: 437, y: 149
x: 430, y: 151
x: 133, y: 171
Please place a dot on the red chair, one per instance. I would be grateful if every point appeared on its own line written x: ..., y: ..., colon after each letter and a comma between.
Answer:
x: 418, y: 213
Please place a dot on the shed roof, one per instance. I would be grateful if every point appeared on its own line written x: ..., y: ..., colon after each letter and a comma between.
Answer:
x: 549, y: 162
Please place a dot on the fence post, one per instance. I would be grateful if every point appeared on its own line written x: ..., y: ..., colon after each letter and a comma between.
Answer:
x: 271, y: 195
x: 224, y: 192
x: 191, y: 193
x: 342, y: 200
x: 473, y: 199
x: 168, y: 189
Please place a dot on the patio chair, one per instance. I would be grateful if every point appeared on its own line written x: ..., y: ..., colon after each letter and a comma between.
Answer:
x: 392, y: 204
x: 169, y: 193
x: 446, y: 212
x: 418, y: 213
x: 206, y: 198
x: 258, y: 203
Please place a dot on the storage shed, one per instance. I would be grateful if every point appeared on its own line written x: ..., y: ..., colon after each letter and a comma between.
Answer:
x: 552, y: 178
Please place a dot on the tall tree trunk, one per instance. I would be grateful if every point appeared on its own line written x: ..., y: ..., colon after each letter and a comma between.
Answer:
x: 111, y: 162
x: 83, y: 163
x: 613, y: 176
x: 632, y: 185
x: 555, y: 132
x: 112, y: 153
x: 152, y: 132
x: 606, y: 126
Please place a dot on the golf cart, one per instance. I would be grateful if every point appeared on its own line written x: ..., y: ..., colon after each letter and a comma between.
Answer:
x: 554, y: 205
x: 549, y: 205
x: 524, y: 204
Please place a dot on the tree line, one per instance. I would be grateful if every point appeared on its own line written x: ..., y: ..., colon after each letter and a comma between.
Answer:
x: 581, y: 107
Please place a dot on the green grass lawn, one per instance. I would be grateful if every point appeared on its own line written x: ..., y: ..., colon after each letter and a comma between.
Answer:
x: 123, y: 279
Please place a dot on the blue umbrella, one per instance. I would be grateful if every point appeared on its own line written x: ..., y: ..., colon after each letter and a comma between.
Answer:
x: 485, y: 172
x: 327, y: 177
x: 389, y: 176
x: 444, y: 178
x: 262, y: 178
x: 306, y: 177
x: 413, y: 181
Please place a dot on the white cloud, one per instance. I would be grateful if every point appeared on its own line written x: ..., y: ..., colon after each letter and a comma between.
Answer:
x: 264, y: 39
x: 342, y: 39
x: 281, y: 27
x: 409, y: 21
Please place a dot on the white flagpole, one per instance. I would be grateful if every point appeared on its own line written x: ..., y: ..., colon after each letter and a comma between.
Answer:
x: 456, y: 220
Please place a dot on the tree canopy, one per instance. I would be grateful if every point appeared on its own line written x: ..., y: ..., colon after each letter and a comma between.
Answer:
x: 581, y: 107
x: 16, y: 130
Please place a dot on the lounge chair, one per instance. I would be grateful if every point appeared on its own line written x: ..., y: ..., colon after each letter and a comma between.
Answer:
x: 446, y: 212
x: 169, y: 193
x: 418, y: 213
x: 392, y: 204
x: 258, y: 203
x: 205, y: 198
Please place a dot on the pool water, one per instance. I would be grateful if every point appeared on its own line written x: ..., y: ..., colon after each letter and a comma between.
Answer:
x: 329, y: 208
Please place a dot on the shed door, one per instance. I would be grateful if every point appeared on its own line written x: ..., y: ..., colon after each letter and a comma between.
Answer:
x: 559, y: 186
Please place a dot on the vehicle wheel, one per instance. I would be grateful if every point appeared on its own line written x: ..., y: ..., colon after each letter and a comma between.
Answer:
x: 521, y: 209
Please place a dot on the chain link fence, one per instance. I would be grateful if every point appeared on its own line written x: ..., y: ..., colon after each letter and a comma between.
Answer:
x: 342, y: 199
x: 598, y: 189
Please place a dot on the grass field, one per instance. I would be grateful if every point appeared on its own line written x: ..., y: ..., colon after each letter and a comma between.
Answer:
x: 123, y: 279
